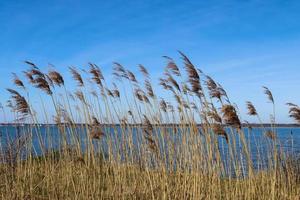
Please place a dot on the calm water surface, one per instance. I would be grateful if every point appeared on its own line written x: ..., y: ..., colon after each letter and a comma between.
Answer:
x: 288, y: 138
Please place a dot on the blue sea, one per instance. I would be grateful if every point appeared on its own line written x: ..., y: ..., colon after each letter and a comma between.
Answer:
x: 288, y: 139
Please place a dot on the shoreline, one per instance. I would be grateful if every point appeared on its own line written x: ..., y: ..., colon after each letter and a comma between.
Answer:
x: 253, y: 125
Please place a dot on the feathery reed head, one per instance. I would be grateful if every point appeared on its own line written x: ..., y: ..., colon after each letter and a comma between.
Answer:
x: 30, y: 63
x: 109, y: 92
x: 149, y: 89
x: 144, y: 71
x: 173, y: 82
x: 211, y: 84
x: 214, y: 115
x: 172, y: 66
x: 163, y: 105
x: 18, y: 81
x: 80, y: 96
x: 42, y: 84
x: 270, y: 134
x: 251, y: 108
x: 215, y: 89
x: 97, y: 133
x: 148, y: 129
x: 230, y: 116
x: 131, y: 76
x: 269, y: 94
x: 116, y: 93
x: 29, y: 76
x: 20, y: 104
x: 193, y: 75
x: 56, y: 77
x: 95, y: 121
x: 147, y: 124
x: 97, y: 74
x: 165, y: 85
x: 120, y: 71
x: 76, y: 76
x: 294, y: 112
x: 141, y: 96
x: 39, y: 79
x: 218, y: 129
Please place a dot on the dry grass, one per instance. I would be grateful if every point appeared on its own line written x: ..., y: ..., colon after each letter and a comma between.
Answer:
x: 138, y: 144
x: 75, y: 180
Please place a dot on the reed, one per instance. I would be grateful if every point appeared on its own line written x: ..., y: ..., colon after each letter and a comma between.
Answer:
x: 119, y: 139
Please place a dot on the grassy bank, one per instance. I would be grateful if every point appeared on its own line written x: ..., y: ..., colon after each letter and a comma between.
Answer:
x: 74, y: 179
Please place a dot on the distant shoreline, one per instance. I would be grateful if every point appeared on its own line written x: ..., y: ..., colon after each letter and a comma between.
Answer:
x: 253, y: 125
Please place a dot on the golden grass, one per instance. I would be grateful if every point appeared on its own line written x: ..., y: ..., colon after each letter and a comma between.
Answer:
x: 151, y: 146
x: 75, y: 180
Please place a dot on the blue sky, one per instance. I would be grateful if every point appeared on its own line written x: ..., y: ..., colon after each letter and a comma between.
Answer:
x: 242, y: 44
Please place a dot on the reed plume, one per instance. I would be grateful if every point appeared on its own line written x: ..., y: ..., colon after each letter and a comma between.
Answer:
x: 76, y: 76
x: 39, y: 79
x: 131, y: 76
x: 147, y: 124
x: 109, y: 92
x: 165, y: 85
x: 20, y: 104
x: 171, y: 80
x: 193, y: 75
x: 120, y: 71
x: 56, y: 77
x: 214, y: 115
x: 223, y: 92
x: 80, y: 96
x: 149, y: 89
x: 42, y: 84
x: 96, y: 131
x: 163, y: 105
x: 30, y: 63
x: 148, y: 129
x: 140, y: 95
x: 230, y: 116
x: 116, y: 93
x: 144, y: 71
x: 96, y: 74
x: 172, y: 66
x: 251, y: 109
x: 210, y: 83
x: 269, y: 94
x: 270, y: 134
x: 294, y: 112
x: 17, y: 81
x: 218, y: 129
x: 29, y: 76
x: 213, y: 88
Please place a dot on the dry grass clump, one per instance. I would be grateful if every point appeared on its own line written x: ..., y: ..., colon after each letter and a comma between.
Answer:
x: 119, y: 139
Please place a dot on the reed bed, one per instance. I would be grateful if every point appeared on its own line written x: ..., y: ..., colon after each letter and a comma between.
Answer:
x: 120, y: 139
